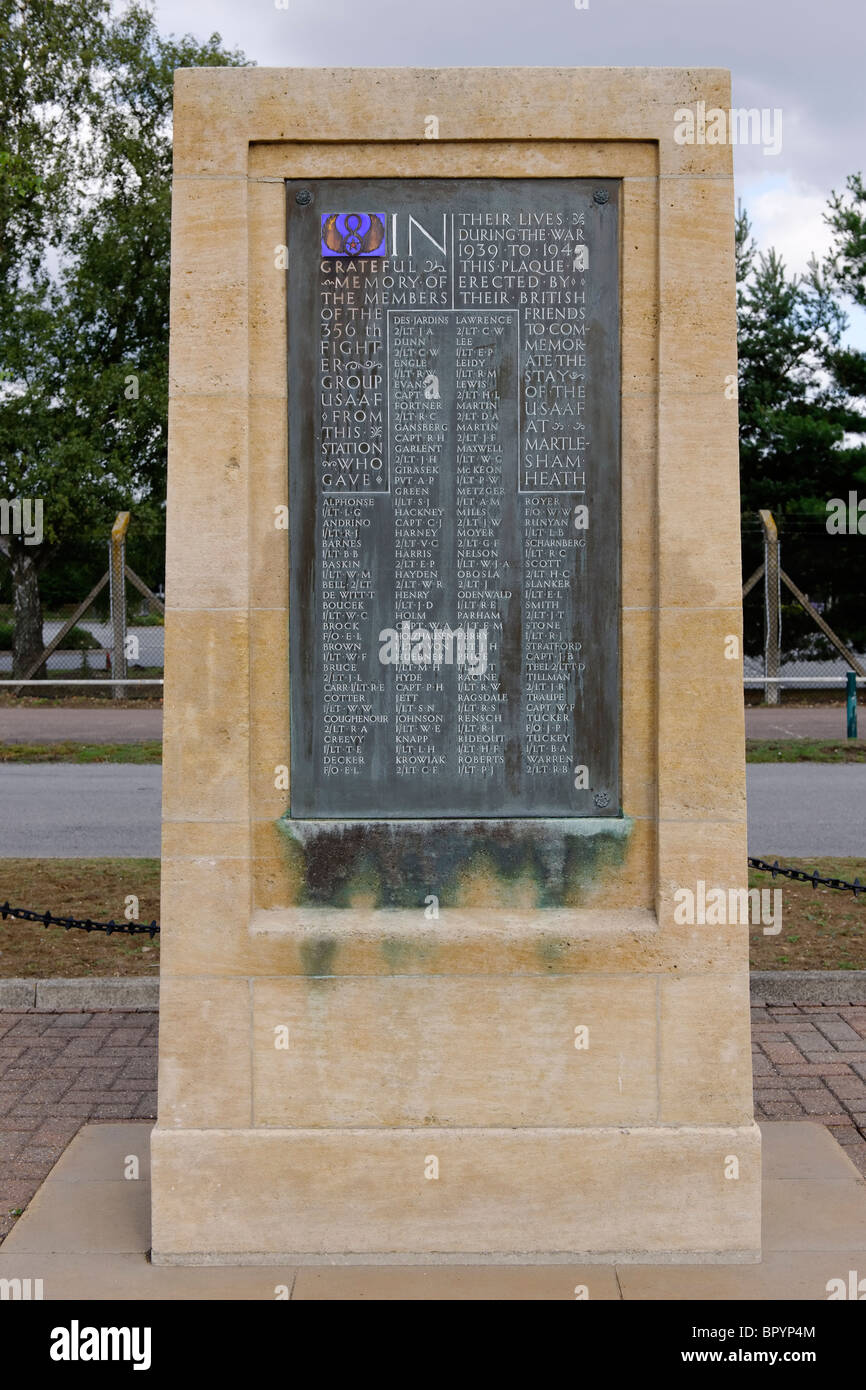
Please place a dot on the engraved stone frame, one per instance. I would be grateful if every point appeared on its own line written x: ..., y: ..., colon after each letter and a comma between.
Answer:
x: 588, y: 935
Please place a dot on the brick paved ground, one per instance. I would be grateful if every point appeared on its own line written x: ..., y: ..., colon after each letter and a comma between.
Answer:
x: 59, y: 1070
x: 809, y: 1063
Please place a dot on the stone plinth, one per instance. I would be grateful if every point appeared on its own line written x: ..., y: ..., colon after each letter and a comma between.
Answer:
x: 555, y: 1064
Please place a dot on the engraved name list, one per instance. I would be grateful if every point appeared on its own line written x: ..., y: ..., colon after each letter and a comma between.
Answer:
x: 454, y: 498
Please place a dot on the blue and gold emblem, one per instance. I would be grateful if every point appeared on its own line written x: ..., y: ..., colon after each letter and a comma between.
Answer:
x: 354, y: 234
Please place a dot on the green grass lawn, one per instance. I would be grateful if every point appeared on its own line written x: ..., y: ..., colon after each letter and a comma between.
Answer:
x: 822, y: 928
x: 96, y: 888
x: 784, y: 750
x: 148, y: 751
x: 805, y: 750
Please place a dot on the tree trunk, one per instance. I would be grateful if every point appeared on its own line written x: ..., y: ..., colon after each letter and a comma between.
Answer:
x: 27, y: 640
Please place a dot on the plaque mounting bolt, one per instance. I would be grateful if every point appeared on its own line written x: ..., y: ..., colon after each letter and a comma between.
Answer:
x: 303, y: 197
x: 601, y: 196
x: 602, y: 798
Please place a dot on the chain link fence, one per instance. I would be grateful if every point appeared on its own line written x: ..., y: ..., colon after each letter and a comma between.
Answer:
x: 804, y: 617
x: 804, y: 608
x: 111, y: 637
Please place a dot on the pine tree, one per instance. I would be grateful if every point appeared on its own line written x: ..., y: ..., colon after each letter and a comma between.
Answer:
x: 845, y: 268
x: 799, y: 425
x: 793, y: 412
x: 847, y: 218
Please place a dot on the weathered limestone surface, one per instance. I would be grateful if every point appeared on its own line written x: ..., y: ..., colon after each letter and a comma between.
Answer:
x: 454, y: 1039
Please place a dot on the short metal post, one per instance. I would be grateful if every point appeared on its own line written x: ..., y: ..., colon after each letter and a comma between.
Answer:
x: 772, y: 606
x: 852, y: 704
x: 118, y: 600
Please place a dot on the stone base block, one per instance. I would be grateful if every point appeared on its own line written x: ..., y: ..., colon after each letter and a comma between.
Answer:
x: 636, y: 1195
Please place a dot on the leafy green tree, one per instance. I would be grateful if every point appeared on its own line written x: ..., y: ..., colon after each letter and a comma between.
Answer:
x: 85, y: 357
x: 48, y: 59
x: 799, y: 421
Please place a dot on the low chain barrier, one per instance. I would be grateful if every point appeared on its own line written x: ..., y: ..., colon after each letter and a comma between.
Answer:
x: 48, y: 919
x: 800, y: 876
x: 85, y: 923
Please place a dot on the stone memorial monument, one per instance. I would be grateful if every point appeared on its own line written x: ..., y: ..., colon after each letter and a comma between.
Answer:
x: 451, y: 712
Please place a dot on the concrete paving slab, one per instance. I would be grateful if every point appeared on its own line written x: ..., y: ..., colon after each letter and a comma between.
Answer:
x: 781, y: 1275
x: 94, y: 994
x: 796, y: 1149
x: 17, y: 994
x: 86, y: 1235
x: 101, y: 1153
x: 87, y: 994
x: 814, y: 1214
x: 807, y: 986
x: 532, y: 1283
x: 83, y: 1218
x: 132, y: 1276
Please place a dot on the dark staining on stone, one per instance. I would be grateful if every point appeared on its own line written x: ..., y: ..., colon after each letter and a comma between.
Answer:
x: 552, y: 951
x: 588, y: 858
x: 317, y: 955
x: 397, y: 953
x: 396, y: 864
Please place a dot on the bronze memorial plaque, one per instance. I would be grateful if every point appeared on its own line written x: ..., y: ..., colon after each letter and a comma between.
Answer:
x: 454, y: 489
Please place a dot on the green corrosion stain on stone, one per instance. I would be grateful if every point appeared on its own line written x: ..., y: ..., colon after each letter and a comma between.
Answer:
x: 398, y: 953
x: 552, y: 950
x: 522, y: 864
x: 318, y: 954
x: 588, y: 859
x: 363, y: 887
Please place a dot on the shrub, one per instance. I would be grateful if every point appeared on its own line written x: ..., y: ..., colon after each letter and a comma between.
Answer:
x: 79, y: 640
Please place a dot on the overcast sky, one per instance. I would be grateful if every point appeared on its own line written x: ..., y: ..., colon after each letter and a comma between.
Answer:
x: 804, y: 59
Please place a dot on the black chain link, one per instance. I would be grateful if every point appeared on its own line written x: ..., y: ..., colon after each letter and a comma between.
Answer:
x: 48, y: 919
x: 814, y: 878
x: 85, y: 923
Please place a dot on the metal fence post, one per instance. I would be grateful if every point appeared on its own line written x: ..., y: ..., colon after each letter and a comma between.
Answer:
x: 772, y: 606
x: 117, y: 571
x: 852, y: 704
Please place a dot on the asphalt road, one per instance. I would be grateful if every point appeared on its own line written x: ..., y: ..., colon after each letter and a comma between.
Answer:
x: 29, y: 724
x: 65, y: 810
x: 802, y: 721
x: 807, y: 808
x: 69, y: 811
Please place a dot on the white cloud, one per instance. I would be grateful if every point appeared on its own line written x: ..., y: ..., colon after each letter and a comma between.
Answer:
x: 790, y: 217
